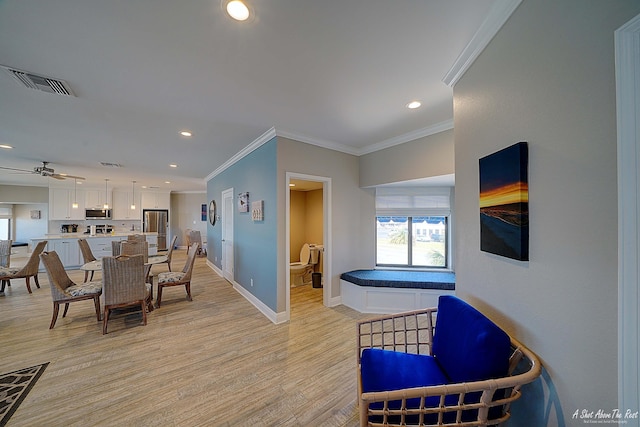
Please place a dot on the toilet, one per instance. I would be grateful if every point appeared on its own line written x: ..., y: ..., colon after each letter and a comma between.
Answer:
x: 301, y: 271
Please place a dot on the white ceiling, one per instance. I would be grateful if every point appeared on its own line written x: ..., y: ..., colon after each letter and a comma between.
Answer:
x: 338, y: 73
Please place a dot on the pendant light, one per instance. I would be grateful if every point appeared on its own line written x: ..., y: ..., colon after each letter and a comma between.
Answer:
x: 74, y: 205
x: 133, y: 196
x: 106, y: 195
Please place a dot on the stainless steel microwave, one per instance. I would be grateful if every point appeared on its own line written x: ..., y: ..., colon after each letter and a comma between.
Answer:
x: 97, y: 213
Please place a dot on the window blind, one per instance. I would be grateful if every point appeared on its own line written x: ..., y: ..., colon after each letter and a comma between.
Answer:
x: 412, y: 201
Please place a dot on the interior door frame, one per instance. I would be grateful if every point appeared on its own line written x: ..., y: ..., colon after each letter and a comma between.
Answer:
x: 326, y: 236
x: 627, y: 64
x: 227, y: 222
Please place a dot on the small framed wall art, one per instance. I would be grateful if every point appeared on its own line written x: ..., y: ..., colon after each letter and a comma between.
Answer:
x: 504, y: 202
x: 257, y: 210
x: 243, y: 202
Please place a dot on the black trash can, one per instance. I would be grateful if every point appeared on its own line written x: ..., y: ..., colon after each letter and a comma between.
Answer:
x: 316, y: 280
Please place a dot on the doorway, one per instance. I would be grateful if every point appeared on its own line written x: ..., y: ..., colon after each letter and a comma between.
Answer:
x: 227, y: 235
x: 315, y: 183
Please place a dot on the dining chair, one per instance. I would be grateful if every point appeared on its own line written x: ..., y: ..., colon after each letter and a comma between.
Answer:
x: 170, y: 252
x: 64, y: 290
x: 178, y: 278
x: 5, y: 256
x: 29, y: 270
x: 123, y: 285
x: 195, y: 237
x: 137, y: 237
x: 87, y: 256
x: 135, y: 247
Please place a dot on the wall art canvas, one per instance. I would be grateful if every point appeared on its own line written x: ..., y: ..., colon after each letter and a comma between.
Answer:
x: 504, y: 202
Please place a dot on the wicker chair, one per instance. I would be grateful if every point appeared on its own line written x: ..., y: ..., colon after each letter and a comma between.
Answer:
x: 65, y: 291
x: 135, y: 247
x: 169, y: 253
x: 195, y: 237
x: 466, y: 403
x: 179, y: 278
x: 123, y: 283
x: 29, y: 270
x: 5, y: 256
x: 87, y: 256
x: 137, y: 237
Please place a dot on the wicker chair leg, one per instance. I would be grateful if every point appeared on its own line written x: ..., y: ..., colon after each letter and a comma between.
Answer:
x: 35, y: 279
x: 66, y: 308
x: 159, y: 299
x: 144, y: 312
x: 86, y: 276
x: 56, y: 306
x: 105, y: 319
x: 4, y: 282
x: 91, y: 279
x: 187, y: 287
x: 96, y: 303
x: 28, y: 284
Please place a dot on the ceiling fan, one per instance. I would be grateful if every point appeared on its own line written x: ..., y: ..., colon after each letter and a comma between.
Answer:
x: 45, y: 171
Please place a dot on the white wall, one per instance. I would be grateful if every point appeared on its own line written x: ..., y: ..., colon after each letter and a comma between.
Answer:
x: 548, y: 78
x: 347, y: 251
x: 27, y: 228
x: 425, y: 157
x: 185, y: 213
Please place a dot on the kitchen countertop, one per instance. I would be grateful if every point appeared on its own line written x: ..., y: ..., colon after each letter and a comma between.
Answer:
x: 88, y: 236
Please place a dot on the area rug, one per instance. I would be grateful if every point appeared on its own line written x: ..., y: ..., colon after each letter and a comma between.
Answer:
x: 14, y: 387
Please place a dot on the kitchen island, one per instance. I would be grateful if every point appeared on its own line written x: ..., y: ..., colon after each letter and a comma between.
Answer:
x: 67, y: 248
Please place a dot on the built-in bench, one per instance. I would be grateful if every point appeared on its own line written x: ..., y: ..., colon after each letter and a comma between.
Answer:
x: 392, y: 291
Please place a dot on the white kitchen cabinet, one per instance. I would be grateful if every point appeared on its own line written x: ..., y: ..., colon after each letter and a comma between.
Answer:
x: 122, y: 201
x: 96, y: 198
x: 60, y: 204
x: 68, y: 251
x: 101, y: 246
x: 155, y: 200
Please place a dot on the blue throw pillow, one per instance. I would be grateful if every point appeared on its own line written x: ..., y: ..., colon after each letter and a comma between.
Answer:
x: 467, y: 345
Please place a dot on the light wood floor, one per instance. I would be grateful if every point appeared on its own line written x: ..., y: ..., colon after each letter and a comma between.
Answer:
x: 215, y: 361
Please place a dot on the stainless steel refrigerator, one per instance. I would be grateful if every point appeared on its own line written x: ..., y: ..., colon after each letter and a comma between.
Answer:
x: 157, y: 221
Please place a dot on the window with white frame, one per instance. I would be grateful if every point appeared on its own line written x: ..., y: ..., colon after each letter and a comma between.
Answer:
x: 413, y: 227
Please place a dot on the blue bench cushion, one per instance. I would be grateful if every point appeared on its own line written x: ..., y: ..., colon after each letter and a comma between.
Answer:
x: 402, y: 279
x: 467, y: 345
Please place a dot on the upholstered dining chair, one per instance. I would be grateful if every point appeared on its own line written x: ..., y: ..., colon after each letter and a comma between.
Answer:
x: 195, y: 237
x: 178, y: 278
x: 64, y: 290
x: 5, y: 256
x: 27, y: 272
x: 123, y: 285
x: 87, y: 256
x: 170, y: 252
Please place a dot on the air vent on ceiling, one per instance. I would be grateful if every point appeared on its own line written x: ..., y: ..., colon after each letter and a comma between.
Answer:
x: 111, y: 165
x: 45, y: 84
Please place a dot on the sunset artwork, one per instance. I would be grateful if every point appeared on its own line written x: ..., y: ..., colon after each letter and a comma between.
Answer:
x: 504, y: 203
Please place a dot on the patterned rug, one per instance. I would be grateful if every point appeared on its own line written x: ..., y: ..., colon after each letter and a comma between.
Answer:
x: 14, y: 387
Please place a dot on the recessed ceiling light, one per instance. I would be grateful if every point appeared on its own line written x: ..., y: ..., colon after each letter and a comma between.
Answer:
x: 414, y: 104
x: 238, y: 10
x: 292, y: 185
x: 6, y: 146
x: 186, y: 133
x: 173, y: 166
x: 167, y: 182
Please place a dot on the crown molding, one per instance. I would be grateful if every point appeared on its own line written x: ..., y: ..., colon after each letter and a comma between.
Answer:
x: 318, y: 142
x: 407, y: 137
x: 258, y: 142
x: 498, y: 15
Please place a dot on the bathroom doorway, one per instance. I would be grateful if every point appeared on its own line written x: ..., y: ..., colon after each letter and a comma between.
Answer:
x: 308, y: 221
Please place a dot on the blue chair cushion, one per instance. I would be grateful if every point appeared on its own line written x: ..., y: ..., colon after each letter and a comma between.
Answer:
x: 385, y: 370
x: 467, y: 345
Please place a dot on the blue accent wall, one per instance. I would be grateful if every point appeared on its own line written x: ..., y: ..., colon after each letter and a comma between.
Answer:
x: 255, y: 243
